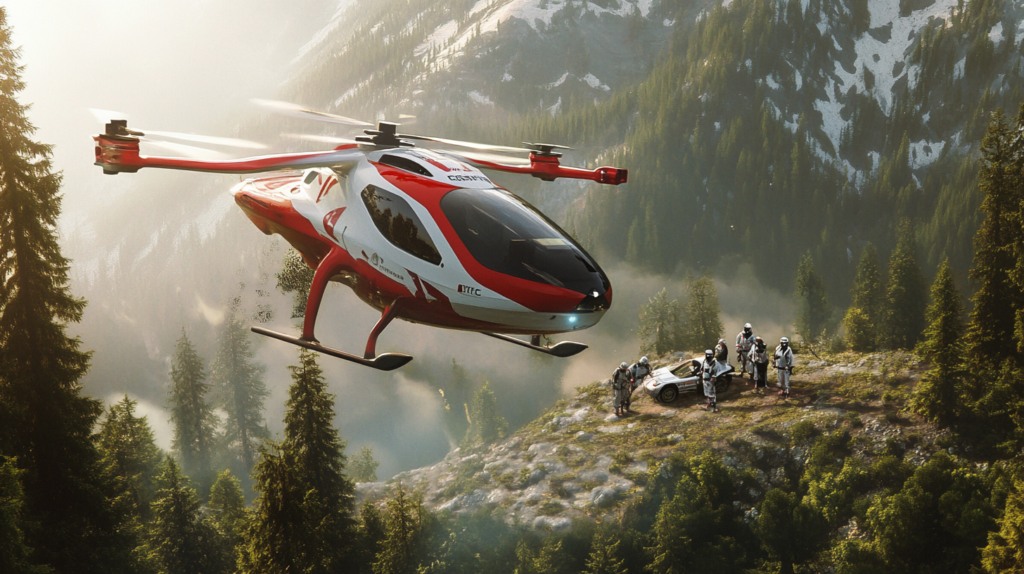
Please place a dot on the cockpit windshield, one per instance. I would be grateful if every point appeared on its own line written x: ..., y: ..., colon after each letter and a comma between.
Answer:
x: 507, y: 235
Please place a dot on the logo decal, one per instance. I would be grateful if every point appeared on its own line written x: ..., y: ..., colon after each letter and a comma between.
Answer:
x: 331, y: 219
x: 468, y: 178
x: 468, y: 290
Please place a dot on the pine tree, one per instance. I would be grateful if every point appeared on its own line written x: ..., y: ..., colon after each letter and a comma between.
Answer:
x: 241, y: 391
x: 603, y: 557
x: 302, y: 519
x: 402, y: 535
x: 50, y: 424
x: 659, y: 329
x: 228, y: 506
x: 938, y: 395
x: 1005, y: 549
x: 701, y: 323
x: 485, y: 424
x: 791, y: 531
x: 552, y: 559
x: 182, y: 542
x: 364, y: 467
x: 905, y: 298
x: 867, y: 299
x: 130, y: 456
x: 14, y: 554
x: 193, y: 417
x: 813, y: 313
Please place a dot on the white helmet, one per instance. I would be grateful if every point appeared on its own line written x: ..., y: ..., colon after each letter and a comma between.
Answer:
x: 709, y: 354
x: 623, y: 365
x: 747, y: 326
x: 643, y: 360
x: 747, y: 329
x: 784, y: 341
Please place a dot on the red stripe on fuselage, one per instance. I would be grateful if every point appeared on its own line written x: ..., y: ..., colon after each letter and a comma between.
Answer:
x: 537, y: 297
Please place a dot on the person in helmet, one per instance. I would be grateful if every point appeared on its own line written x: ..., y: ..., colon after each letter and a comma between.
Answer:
x: 744, y: 342
x: 722, y: 352
x: 759, y: 359
x: 638, y: 371
x: 784, y: 365
x: 710, y: 369
x: 620, y: 386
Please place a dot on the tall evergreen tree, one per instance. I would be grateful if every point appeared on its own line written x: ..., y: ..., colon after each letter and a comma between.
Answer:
x: 603, y: 557
x: 403, y: 532
x: 865, y: 313
x: 240, y: 391
x: 791, y: 531
x: 130, y: 456
x: 659, y: 329
x: 1005, y: 549
x: 485, y: 424
x: 813, y: 313
x: 905, y: 298
x: 991, y: 330
x: 228, y: 507
x: 182, y: 542
x: 701, y: 323
x: 303, y: 513
x: 50, y: 424
x: 193, y: 417
x: 938, y: 395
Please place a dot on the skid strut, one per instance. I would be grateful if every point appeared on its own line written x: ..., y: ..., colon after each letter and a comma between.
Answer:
x: 385, y: 362
x: 562, y: 349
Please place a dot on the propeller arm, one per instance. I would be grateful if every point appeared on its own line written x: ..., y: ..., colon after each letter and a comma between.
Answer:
x: 116, y: 154
x: 548, y: 168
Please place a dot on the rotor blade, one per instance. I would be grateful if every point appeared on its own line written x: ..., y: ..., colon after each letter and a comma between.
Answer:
x: 230, y: 142
x: 105, y: 116
x: 489, y: 158
x: 320, y: 139
x: 295, y: 110
x: 469, y: 145
x: 187, y: 150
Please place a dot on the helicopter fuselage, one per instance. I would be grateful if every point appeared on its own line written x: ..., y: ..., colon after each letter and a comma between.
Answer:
x: 413, y: 225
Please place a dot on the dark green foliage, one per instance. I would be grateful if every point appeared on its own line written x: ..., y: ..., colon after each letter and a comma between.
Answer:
x: 48, y: 423
x: 227, y: 505
x: 363, y: 468
x: 943, y: 500
x: 905, y: 298
x: 813, y: 312
x: 182, y: 542
x: 867, y: 302
x: 699, y: 530
x: 240, y: 391
x: 193, y: 417
x: 1005, y: 549
x: 604, y: 557
x: 295, y: 277
x: 939, y: 395
x: 14, y: 555
x: 791, y: 531
x: 485, y: 424
x: 660, y: 330
x: 301, y: 519
x: 702, y: 326
x: 130, y: 456
x: 403, y: 535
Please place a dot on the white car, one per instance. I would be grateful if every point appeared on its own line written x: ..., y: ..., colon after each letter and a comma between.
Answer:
x: 666, y: 383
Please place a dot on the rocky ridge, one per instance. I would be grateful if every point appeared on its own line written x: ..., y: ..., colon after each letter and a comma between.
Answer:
x: 580, y: 462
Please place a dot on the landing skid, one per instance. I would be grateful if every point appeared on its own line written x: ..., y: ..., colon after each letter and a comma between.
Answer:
x: 561, y: 350
x: 385, y: 362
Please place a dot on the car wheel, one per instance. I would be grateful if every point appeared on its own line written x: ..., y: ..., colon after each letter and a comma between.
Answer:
x: 668, y: 394
x: 722, y: 384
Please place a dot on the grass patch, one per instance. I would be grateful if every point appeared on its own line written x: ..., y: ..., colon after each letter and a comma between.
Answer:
x: 466, y: 480
x: 550, y: 508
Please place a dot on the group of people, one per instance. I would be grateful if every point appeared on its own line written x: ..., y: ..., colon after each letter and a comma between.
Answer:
x: 753, y: 356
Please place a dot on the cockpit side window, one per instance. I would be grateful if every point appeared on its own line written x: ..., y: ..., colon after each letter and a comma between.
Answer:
x: 310, y: 177
x: 397, y: 222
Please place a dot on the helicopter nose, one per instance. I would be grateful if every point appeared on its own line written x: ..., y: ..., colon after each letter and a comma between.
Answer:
x: 595, y: 301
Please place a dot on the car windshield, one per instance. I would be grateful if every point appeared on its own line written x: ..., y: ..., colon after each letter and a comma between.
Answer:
x: 507, y: 235
x: 683, y: 371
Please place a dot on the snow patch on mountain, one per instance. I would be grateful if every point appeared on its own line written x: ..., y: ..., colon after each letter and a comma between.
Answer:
x: 480, y: 98
x: 438, y: 37
x: 924, y: 153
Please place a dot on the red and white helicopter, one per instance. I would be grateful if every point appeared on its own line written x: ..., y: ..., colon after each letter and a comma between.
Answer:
x: 420, y: 235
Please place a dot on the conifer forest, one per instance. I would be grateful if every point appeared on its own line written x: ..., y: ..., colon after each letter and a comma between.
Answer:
x: 848, y: 175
